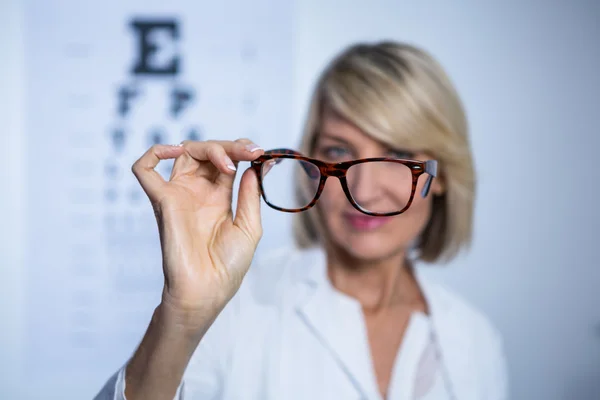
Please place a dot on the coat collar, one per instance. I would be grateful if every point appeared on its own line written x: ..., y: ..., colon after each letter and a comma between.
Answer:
x: 320, y: 301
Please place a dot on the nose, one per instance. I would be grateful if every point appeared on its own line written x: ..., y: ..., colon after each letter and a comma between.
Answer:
x: 364, y: 183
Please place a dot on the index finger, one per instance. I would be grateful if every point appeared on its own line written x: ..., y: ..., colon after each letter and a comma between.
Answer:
x: 143, y: 169
x: 242, y: 150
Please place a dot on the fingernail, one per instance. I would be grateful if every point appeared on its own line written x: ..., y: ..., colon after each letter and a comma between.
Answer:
x: 230, y: 164
x: 253, y: 147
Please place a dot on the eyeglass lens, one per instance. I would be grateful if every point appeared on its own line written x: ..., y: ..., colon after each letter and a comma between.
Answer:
x: 378, y: 187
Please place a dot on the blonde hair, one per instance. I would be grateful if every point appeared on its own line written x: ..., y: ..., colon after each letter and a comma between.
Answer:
x: 400, y: 95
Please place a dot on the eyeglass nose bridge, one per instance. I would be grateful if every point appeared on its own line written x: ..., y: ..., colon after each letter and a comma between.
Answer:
x: 337, y: 171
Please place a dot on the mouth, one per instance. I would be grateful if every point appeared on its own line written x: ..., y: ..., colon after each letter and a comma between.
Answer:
x: 363, y: 222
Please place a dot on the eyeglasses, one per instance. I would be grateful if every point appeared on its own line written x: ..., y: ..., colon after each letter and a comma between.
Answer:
x: 374, y: 186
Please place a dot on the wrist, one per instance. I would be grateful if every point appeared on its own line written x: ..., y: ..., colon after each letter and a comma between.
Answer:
x: 191, y: 322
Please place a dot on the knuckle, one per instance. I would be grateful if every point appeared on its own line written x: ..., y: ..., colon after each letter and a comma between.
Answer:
x: 135, y: 167
x: 215, y: 149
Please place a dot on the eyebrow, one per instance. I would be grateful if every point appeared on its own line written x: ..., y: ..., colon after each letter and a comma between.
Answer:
x: 335, y: 138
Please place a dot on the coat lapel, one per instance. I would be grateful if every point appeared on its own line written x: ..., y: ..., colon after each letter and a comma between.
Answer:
x: 453, y: 342
x: 337, y: 322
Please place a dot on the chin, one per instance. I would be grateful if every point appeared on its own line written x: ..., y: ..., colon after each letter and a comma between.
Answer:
x: 366, y: 246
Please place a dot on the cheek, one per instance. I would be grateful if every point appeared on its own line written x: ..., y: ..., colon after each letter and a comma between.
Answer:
x: 412, y: 222
x: 408, y: 226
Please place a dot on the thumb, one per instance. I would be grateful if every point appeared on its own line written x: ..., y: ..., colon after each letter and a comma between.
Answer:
x: 247, y: 216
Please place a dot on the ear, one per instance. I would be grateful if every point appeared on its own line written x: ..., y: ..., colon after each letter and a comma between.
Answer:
x: 438, y: 186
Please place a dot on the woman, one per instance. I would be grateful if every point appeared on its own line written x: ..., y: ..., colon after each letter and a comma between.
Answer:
x: 343, y: 315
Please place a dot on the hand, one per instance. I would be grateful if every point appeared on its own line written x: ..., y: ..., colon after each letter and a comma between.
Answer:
x: 206, y: 252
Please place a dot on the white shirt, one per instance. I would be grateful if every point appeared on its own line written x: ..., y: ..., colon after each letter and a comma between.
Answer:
x: 288, y: 334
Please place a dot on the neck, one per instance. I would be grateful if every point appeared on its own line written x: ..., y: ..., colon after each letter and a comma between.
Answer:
x: 377, y: 284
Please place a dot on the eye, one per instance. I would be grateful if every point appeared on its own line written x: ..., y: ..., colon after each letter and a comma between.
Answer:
x: 334, y: 152
x: 399, y: 153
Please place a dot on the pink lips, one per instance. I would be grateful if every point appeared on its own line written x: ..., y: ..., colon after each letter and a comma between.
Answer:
x: 365, y: 222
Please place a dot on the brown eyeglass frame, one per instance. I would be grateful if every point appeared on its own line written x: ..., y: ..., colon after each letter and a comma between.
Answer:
x: 339, y: 170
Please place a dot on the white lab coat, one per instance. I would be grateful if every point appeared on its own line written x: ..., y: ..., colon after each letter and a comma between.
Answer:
x: 288, y: 334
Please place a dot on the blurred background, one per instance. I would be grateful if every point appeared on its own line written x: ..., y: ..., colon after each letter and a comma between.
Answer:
x: 86, y: 87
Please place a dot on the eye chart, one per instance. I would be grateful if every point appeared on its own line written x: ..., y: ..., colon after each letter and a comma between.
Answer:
x: 105, y: 81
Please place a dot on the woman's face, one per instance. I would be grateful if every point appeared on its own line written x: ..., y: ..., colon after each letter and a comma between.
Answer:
x: 375, y: 187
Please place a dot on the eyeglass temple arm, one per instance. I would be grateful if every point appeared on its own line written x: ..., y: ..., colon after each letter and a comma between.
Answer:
x: 431, y: 169
x: 283, y: 151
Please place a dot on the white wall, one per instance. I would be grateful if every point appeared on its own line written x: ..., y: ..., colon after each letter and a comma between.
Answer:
x: 11, y: 151
x: 528, y: 72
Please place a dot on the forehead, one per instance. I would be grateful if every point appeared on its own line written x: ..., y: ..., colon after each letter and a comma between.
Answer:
x: 332, y: 126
